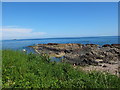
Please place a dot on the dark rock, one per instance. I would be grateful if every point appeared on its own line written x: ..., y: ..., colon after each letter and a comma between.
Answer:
x: 106, y: 45
x: 52, y: 44
x: 67, y: 51
x: 115, y: 45
x: 104, y: 66
x: 82, y: 54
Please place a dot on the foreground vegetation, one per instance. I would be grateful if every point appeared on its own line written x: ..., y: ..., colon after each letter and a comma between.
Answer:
x: 22, y: 70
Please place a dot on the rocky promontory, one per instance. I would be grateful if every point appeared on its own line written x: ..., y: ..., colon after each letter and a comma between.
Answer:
x: 81, y: 54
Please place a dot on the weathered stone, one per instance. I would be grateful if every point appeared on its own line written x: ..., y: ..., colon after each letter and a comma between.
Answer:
x: 52, y: 44
x: 106, y: 45
x: 104, y: 66
x: 89, y: 54
x: 99, y: 60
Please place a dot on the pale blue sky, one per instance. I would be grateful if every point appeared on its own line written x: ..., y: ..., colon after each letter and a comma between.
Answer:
x: 74, y: 19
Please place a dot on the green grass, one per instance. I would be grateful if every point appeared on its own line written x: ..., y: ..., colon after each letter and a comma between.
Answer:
x: 20, y: 70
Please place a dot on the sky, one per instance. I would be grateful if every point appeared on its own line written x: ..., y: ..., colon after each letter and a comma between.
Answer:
x: 26, y: 20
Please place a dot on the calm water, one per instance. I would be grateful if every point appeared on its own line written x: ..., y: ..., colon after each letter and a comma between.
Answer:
x: 23, y: 43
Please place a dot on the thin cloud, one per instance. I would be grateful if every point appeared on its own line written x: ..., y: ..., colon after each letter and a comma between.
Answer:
x: 20, y: 33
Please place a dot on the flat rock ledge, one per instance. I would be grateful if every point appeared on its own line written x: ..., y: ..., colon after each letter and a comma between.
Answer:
x: 82, y: 54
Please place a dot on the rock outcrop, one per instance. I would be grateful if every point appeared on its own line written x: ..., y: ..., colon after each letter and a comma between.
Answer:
x: 80, y: 54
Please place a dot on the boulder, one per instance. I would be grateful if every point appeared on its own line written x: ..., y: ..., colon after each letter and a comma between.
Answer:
x: 106, y: 45
x: 52, y: 44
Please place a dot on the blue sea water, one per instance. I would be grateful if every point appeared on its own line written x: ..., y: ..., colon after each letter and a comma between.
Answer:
x: 23, y: 43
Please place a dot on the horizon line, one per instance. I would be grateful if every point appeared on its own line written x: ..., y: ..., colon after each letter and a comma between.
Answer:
x: 58, y: 37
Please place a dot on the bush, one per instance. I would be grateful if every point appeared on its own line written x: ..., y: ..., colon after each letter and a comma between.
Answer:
x: 20, y: 70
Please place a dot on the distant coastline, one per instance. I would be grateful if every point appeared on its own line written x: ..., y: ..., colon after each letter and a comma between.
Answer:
x: 61, y: 38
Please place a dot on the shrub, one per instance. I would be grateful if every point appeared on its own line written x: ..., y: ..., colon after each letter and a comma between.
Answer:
x: 20, y: 70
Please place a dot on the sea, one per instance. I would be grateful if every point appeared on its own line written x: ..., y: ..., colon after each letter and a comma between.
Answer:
x: 20, y: 44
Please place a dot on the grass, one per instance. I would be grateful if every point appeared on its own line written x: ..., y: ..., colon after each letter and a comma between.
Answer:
x: 20, y: 70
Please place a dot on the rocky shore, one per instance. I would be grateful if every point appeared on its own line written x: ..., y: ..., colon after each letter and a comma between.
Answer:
x: 82, y: 54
